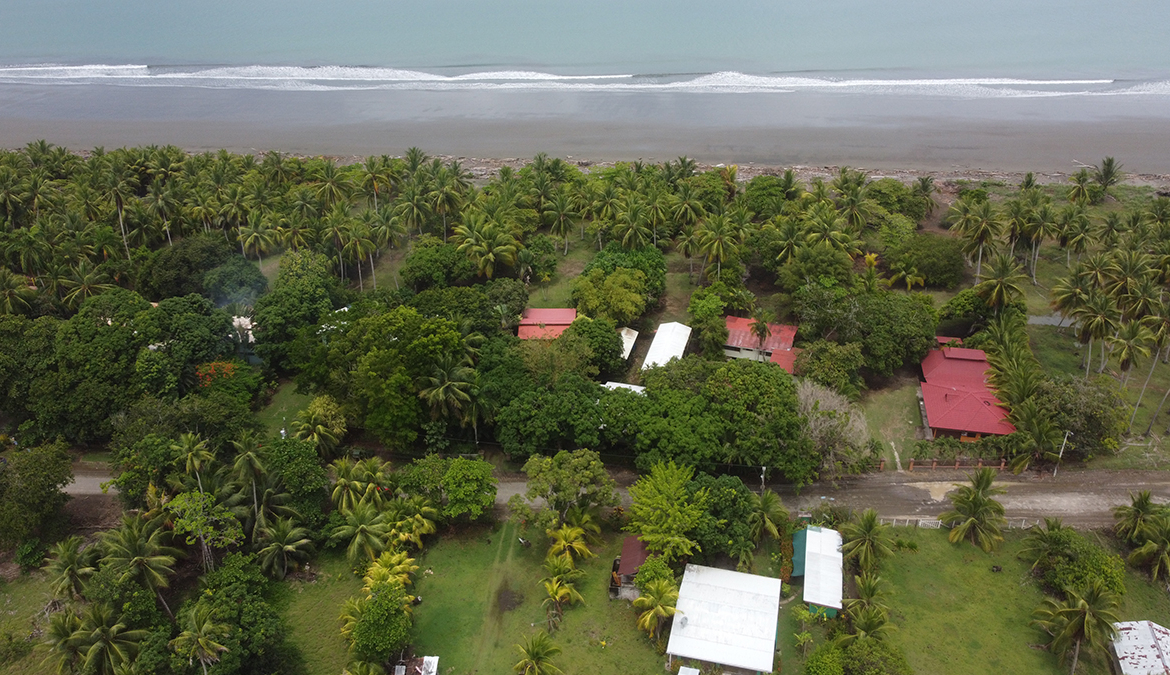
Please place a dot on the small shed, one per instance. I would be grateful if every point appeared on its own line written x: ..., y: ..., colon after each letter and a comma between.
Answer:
x: 816, y: 556
x: 545, y: 323
x: 420, y: 665
x: 726, y: 618
x: 625, y: 568
x: 1141, y: 648
x: 670, y: 342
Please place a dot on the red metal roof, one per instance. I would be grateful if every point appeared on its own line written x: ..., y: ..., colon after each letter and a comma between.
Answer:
x: 944, y: 340
x: 786, y: 358
x: 952, y: 366
x: 548, y: 317
x: 544, y: 332
x: 959, y: 408
x: 634, y: 553
x: 739, y: 334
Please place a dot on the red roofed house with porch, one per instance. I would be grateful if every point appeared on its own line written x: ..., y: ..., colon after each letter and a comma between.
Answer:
x: 956, y: 400
x: 545, y: 324
x: 743, y: 344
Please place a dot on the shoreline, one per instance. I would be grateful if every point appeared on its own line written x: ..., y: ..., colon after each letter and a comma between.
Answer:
x: 887, y: 135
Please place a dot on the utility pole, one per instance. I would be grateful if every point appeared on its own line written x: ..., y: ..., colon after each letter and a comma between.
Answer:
x: 763, y: 471
x: 1061, y: 455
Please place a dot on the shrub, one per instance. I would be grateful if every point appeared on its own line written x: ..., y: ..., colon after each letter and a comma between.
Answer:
x: 832, y: 365
x: 619, y: 295
x: 894, y: 196
x: 648, y: 260
x: 895, y: 229
x: 433, y: 263
x: 13, y: 648
x: 233, y: 378
x: 653, y: 569
x: 1078, y: 561
x: 1093, y: 410
x: 236, y: 280
x: 605, y: 342
x: 826, y: 660
x: 874, y: 657
x: 384, y: 626
x: 30, y: 554
x: 973, y: 195
x: 938, y: 259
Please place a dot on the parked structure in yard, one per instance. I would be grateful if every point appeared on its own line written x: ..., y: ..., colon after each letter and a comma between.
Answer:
x: 670, y: 342
x: 629, y: 337
x: 727, y: 619
x: 545, y: 324
x: 816, y: 556
x: 625, y: 568
x: 1141, y: 648
x: 742, y: 343
x: 956, y: 400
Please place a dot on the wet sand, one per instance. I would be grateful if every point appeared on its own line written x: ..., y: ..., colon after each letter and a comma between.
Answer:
x: 1052, y: 135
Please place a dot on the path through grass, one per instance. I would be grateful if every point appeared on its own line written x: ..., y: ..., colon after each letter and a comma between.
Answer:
x: 283, y: 407
x: 893, y: 416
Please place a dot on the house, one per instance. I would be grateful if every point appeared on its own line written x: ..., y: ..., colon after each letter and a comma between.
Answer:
x: 1141, y: 648
x: 727, y: 619
x: 545, y: 324
x: 955, y: 396
x: 743, y: 344
x: 625, y: 568
x: 670, y: 342
x: 816, y: 556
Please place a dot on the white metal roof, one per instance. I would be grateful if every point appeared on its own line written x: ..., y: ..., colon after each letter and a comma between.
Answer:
x: 1142, y: 648
x: 822, y: 567
x: 622, y: 385
x: 688, y: 671
x: 669, y: 342
x: 726, y: 617
x: 629, y: 337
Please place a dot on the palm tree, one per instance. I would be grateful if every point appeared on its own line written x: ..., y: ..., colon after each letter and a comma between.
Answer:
x: 1132, y: 520
x: 1084, y: 617
x: 560, y: 593
x: 561, y: 215
x: 866, y: 540
x: 761, y: 328
x: 193, y: 451
x: 869, y: 623
x: 333, y: 186
x: 447, y: 390
x: 871, y: 592
x: 198, y: 640
x: 1107, y: 174
x: 1003, y: 284
x: 1155, y: 549
x: 718, y: 241
x: 62, y: 641
x: 974, y: 514
x: 569, y: 542
x: 1079, y: 192
x: 347, y: 489
x: 768, y: 516
x: 283, y: 545
x: 536, y: 655
x: 1098, y: 319
x: 135, y: 551
x: 85, y: 282
x: 656, y: 604
x: 1044, y: 543
x: 248, y: 466
x: 977, y: 224
x: 313, y: 426
x: 632, y: 224
x: 1038, y: 434
x: 119, y: 185
x: 905, y: 272
x: 1131, y: 342
x: 106, y: 641
x: 924, y: 189
x: 390, y: 567
x: 365, y: 529
x: 445, y: 196
x: 485, y: 243
x: 70, y: 566
x: 257, y: 236
x: 15, y: 292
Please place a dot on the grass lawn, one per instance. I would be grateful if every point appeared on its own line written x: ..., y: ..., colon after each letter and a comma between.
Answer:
x: 311, y: 609
x: 269, y: 266
x: 893, y: 416
x: 556, y: 292
x: 285, y: 404
x: 484, y: 597
x: 20, y: 601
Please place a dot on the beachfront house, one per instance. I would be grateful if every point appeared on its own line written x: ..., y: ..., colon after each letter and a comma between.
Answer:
x: 956, y: 399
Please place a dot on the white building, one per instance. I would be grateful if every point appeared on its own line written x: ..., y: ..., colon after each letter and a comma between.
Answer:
x: 1141, y: 648
x: 670, y: 342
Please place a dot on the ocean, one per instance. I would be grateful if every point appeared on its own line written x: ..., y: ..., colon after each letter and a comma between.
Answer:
x: 993, y: 48
x: 1019, y: 83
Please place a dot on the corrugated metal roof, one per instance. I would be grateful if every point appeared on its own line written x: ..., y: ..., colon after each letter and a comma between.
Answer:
x: 739, y: 334
x: 622, y: 385
x: 1142, y: 648
x: 669, y: 342
x: 634, y: 553
x: 786, y: 359
x: 534, y: 316
x: 939, y: 368
x: 541, y: 332
x: 726, y: 617
x: 972, y: 409
x: 822, y: 567
x: 629, y: 337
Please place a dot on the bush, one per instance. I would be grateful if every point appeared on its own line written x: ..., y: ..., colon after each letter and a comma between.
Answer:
x: 894, y: 196
x: 619, y: 295
x: 384, y: 626
x: 895, y: 229
x: 13, y: 648
x: 30, y: 555
x: 234, y: 379
x: 826, y: 660
x: 433, y: 263
x: 653, y: 569
x: 647, y: 260
x: 938, y: 259
x: 1093, y: 410
x: 1078, y: 562
x: 835, y: 366
x: 874, y: 657
x: 605, y: 342
x: 973, y: 195
x: 180, y: 269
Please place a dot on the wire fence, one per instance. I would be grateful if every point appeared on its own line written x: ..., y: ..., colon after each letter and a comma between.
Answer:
x: 935, y: 523
x: 1000, y: 464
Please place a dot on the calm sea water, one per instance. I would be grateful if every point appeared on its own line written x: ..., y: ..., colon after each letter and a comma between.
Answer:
x: 985, y: 49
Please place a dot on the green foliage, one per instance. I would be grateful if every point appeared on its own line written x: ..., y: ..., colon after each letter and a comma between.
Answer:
x: 1071, y: 561
x: 1094, y: 410
x: 604, y: 342
x: 563, y: 481
x: 655, y: 568
x: 460, y: 303
x: 897, y: 198
x: 874, y: 657
x: 816, y: 264
x: 647, y: 260
x: 201, y: 518
x: 233, y: 379
x: 967, y: 304
x: 180, y: 334
x: 707, y: 319
x: 665, y: 512
x: 13, y: 648
x: 384, y: 626
x: 300, y: 298
x: 31, y: 493
x: 893, y: 329
x: 300, y: 470
x: 433, y: 263
x: 973, y: 195
x: 619, y: 295
x: 710, y: 188
x: 826, y: 660
x: 180, y: 269
x: 938, y: 259
x: 30, y: 554
x: 469, y: 488
x: 894, y: 230
x: 832, y: 365
x: 148, y: 461
x: 562, y: 416
x: 424, y: 477
x: 238, y: 280
x: 724, y: 527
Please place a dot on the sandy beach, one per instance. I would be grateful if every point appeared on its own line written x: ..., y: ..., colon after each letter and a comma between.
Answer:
x: 1054, y: 136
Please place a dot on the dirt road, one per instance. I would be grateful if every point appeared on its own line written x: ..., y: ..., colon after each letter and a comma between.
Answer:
x: 1081, y: 497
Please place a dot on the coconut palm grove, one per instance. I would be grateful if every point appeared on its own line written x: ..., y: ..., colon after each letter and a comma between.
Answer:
x: 327, y: 429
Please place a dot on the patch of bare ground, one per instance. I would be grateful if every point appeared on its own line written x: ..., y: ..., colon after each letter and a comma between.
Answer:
x: 90, y: 513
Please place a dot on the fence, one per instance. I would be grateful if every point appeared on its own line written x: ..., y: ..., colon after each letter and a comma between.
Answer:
x: 957, y: 464
x: 935, y: 523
